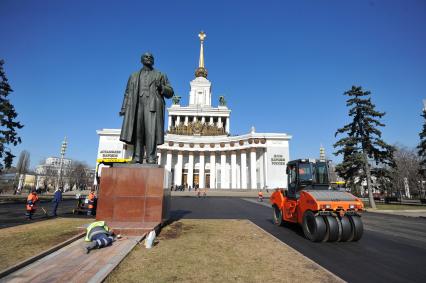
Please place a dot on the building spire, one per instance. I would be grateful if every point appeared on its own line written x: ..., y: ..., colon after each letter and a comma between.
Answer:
x: 202, y: 36
x: 201, y: 70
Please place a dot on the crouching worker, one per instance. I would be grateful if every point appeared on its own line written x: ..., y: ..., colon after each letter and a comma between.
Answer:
x: 99, y: 234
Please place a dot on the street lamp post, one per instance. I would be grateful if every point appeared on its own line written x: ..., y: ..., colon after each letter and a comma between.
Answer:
x: 63, y: 150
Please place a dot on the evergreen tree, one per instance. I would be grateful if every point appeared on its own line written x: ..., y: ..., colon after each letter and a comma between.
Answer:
x: 422, y: 150
x: 422, y: 146
x: 362, y: 143
x: 8, y: 124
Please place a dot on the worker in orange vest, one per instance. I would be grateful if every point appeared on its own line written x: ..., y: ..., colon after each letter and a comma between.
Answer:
x: 91, y: 202
x: 260, y: 195
x: 32, y: 199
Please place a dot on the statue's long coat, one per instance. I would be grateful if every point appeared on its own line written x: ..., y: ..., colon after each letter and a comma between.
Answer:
x: 156, y: 104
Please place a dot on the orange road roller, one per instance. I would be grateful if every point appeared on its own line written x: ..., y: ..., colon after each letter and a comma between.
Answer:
x: 325, y: 214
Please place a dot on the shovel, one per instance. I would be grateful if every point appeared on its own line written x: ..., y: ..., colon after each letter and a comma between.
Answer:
x: 44, y: 212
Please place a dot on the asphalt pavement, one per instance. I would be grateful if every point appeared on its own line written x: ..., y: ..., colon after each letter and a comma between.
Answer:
x: 13, y: 214
x: 392, y: 249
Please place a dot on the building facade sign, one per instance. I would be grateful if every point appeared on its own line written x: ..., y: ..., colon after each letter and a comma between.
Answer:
x: 278, y: 159
x: 110, y: 154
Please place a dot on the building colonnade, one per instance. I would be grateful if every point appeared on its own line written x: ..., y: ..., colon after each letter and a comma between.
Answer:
x: 226, y: 169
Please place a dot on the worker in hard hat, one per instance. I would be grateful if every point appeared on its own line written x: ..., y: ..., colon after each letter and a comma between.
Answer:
x: 32, y: 200
x: 260, y: 196
x: 91, y: 202
x: 99, y: 235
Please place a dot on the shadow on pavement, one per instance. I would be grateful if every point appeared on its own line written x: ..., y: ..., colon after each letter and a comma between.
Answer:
x: 293, y: 227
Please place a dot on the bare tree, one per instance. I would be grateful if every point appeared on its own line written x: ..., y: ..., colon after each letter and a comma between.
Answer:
x: 22, y: 168
x: 23, y: 162
x: 79, y: 175
x: 407, y: 170
x: 73, y: 173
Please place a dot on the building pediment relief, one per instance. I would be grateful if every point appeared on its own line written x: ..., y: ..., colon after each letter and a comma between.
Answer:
x: 196, y: 128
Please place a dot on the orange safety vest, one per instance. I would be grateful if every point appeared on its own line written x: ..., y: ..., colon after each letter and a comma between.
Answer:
x: 31, y: 201
x: 91, y: 199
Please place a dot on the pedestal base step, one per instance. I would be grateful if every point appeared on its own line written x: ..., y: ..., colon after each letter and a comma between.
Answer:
x: 132, y: 228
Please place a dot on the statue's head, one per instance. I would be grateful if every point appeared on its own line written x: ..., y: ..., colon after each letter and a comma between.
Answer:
x: 147, y: 59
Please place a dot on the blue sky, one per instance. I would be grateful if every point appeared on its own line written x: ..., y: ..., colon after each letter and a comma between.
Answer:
x: 282, y: 65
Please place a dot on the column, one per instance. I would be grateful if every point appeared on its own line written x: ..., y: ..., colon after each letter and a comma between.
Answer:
x: 169, y: 160
x: 265, y: 164
x: 186, y: 120
x: 191, y: 169
x: 211, y: 120
x: 227, y: 125
x: 213, y: 170
x: 177, y: 120
x: 203, y: 119
x: 223, y: 184
x: 234, y: 169
x: 178, y: 169
x: 238, y: 174
x: 201, y: 176
x: 243, y: 169
x: 194, y: 119
x: 253, y: 177
x: 261, y: 173
x: 170, y: 123
x: 219, y: 122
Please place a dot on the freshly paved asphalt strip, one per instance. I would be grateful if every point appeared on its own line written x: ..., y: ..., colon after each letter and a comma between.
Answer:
x: 13, y: 214
x: 391, y: 250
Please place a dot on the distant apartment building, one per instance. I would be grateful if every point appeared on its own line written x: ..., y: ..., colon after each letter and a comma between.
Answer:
x: 52, y: 165
x: 48, y: 174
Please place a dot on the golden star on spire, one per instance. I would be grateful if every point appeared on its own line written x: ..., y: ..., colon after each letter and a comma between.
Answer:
x: 201, y: 70
x: 202, y: 35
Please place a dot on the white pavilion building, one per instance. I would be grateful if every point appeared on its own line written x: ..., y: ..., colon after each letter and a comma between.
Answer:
x: 200, y: 150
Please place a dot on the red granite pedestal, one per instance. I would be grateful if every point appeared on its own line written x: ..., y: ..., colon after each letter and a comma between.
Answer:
x: 133, y: 199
